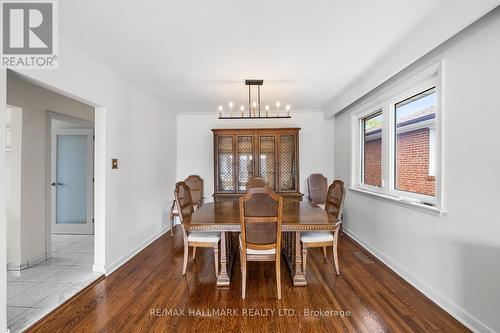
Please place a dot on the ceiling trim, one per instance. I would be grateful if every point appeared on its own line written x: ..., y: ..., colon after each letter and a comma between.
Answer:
x: 455, y: 19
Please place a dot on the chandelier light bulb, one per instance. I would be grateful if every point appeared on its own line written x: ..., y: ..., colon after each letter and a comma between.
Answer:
x: 278, y: 104
x: 267, y: 107
x: 242, y: 108
x: 288, y: 107
x: 231, y: 104
x: 221, y: 108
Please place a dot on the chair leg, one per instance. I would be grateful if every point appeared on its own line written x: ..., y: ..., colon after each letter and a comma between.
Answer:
x: 171, y: 224
x: 335, y: 258
x: 194, y: 251
x: 186, y: 254
x: 324, y: 251
x: 243, y: 275
x: 278, y: 275
x: 304, y: 258
x: 216, y: 259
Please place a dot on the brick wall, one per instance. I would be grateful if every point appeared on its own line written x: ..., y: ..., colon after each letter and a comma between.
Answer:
x: 412, y: 160
x: 373, y: 166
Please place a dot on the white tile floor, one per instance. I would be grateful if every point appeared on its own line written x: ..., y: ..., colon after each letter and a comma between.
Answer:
x: 35, y: 291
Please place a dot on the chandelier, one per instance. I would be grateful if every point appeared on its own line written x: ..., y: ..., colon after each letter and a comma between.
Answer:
x: 254, y: 108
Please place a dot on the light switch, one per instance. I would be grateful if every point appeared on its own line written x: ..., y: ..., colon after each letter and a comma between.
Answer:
x: 114, y: 163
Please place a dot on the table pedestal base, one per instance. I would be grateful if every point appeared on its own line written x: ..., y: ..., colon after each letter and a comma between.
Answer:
x: 226, y: 259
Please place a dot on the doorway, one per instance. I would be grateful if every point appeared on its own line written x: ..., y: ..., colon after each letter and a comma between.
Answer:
x: 51, y: 253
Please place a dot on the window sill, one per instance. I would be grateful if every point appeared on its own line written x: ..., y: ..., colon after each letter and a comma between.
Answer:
x: 431, y: 210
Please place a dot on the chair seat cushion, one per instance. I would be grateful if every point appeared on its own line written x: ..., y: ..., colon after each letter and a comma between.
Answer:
x: 204, y: 237
x: 253, y: 251
x: 315, y: 237
x: 322, y: 206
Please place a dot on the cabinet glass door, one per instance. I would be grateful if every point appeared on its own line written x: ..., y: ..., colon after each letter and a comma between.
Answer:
x: 267, y: 160
x: 288, y: 163
x: 225, y: 164
x: 244, y: 150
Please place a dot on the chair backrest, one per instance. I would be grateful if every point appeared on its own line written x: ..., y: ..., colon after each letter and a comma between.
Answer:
x: 261, y: 213
x: 335, y: 198
x: 256, y: 183
x: 183, y: 200
x: 318, y: 188
x: 195, y: 184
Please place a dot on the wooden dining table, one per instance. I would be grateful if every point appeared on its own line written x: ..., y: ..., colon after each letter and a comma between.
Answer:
x: 224, y: 217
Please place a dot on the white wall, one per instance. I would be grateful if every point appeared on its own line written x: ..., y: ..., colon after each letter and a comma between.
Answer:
x: 130, y: 125
x: 35, y: 102
x: 13, y: 164
x: 453, y: 258
x: 3, y: 201
x: 195, y: 144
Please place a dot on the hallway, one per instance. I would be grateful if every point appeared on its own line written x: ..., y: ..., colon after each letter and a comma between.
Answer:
x: 37, y: 290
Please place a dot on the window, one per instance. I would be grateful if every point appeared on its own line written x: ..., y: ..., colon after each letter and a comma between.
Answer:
x: 372, y: 150
x: 415, y: 119
x: 396, y: 153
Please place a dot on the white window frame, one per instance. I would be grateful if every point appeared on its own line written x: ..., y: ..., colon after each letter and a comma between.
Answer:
x: 360, y: 149
x: 386, y: 101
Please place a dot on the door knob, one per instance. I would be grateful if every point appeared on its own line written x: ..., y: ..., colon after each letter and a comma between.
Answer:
x: 54, y: 184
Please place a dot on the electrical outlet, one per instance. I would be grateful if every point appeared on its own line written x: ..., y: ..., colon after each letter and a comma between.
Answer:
x: 114, y: 163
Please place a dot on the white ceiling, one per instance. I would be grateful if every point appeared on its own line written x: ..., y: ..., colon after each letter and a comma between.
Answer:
x: 195, y: 54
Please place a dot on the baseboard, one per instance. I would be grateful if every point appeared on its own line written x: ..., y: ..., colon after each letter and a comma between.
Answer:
x: 16, y: 267
x: 28, y: 263
x: 453, y: 309
x: 108, y: 269
x: 99, y: 269
x: 37, y: 260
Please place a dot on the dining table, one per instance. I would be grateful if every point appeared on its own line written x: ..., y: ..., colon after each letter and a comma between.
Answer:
x: 224, y: 216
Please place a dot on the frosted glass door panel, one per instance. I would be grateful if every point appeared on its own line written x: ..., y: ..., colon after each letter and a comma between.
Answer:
x: 71, y: 179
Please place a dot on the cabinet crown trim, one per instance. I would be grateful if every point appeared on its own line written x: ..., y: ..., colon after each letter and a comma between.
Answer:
x: 256, y: 129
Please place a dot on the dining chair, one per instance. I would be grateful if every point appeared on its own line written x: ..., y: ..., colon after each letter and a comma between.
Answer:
x: 334, y: 205
x: 317, y: 185
x: 185, y: 208
x: 257, y: 182
x: 260, y: 240
x: 195, y: 184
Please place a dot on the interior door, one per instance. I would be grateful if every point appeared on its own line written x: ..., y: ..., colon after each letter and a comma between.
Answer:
x: 72, y: 181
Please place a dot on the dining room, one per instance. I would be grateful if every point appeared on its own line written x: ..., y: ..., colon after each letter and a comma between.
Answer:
x: 284, y: 166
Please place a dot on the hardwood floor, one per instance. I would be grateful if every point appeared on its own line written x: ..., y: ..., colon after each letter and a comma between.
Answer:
x: 368, y: 297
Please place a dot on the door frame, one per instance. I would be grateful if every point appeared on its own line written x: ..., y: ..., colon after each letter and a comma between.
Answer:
x: 88, y: 226
x: 84, y: 123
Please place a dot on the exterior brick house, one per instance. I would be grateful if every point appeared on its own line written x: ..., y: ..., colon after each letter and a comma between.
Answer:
x: 414, y: 154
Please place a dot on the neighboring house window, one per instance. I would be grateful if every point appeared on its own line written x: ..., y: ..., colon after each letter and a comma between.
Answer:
x: 396, y: 151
